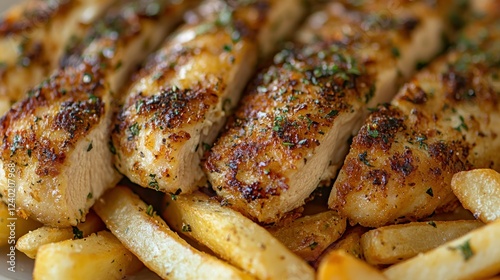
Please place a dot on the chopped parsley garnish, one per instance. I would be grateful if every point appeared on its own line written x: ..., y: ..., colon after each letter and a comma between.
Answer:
x: 363, y: 158
x: 432, y: 223
x: 149, y: 210
x: 89, y: 148
x: 90, y: 195
x: 395, y: 52
x: 313, y: 245
x: 372, y: 132
x: 430, y: 192
x: 288, y: 144
x: 77, y: 233
x: 134, y: 129
x: 112, y: 148
x: 186, y: 228
x: 332, y: 113
x: 227, y: 48
x: 465, y: 249
x: 462, y: 125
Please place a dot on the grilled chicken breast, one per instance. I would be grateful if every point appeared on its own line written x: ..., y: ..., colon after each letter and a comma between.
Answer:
x: 55, y: 143
x: 445, y: 120
x: 33, y: 37
x: 178, y: 102
x: 293, y: 126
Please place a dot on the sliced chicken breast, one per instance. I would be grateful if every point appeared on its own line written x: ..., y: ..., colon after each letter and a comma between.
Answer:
x: 178, y: 102
x: 33, y: 37
x: 293, y: 126
x: 445, y: 120
x: 55, y: 151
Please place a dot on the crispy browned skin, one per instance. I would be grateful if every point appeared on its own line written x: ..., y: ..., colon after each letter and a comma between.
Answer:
x: 444, y: 121
x: 292, y: 127
x: 178, y: 102
x: 33, y: 37
x: 55, y: 142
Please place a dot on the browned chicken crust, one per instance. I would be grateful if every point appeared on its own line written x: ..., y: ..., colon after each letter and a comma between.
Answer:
x: 55, y: 142
x: 444, y: 121
x: 178, y: 102
x: 292, y: 127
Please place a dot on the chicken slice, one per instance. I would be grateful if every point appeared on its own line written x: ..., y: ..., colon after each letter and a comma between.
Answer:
x: 294, y: 123
x: 445, y: 120
x: 55, y: 150
x: 178, y: 102
x: 33, y: 37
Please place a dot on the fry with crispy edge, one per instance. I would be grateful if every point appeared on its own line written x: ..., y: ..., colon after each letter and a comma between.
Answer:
x: 33, y: 240
x: 479, y: 191
x: 99, y: 256
x: 234, y: 237
x: 339, y: 265
x: 145, y: 234
x: 392, y: 244
x: 472, y: 256
x: 309, y: 236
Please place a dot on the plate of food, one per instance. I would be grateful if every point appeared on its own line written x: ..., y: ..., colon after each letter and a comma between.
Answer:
x: 260, y: 139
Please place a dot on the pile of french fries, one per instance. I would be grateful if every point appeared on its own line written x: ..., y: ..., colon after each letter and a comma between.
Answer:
x: 194, y: 236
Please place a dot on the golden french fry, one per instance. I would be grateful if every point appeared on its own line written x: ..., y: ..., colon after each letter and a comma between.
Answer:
x: 234, y: 237
x: 99, y: 256
x: 33, y: 240
x: 12, y: 226
x: 392, y: 244
x: 473, y: 256
x: 343, y: 266
x: 308, y: 236
x: 479, y: 191
x: 145, y: 234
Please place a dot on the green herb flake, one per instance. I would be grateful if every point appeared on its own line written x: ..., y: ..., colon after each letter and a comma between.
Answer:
x: 432, y: 223
x: 227, y: 48
x: 77, y: 233
x: 89, y: 148
x: 372, y: 132
x: 288, y: 144
x: 363, y: 158
x: 29, y: 152
x: 313, y: 245
x: 395, y: 52
x: 90, y: 195
x: 462, y: 125
x: 332, y: 113
x: 465, y: 249
x: 186, y: 228
x: 430, y: 192
x: 149, y: 210
x: 134, y: 129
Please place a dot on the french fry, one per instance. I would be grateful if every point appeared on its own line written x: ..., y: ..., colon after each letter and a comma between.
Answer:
x: 145, y: 234
x: 99, y: 256
x: 10, y: 224
x: 234, y: 237
x: 33, y: 240
x: 309, y: 236
x: 392, y: 244
x: 479, y: 191
x: 343, y: 266
x: 472, y: 256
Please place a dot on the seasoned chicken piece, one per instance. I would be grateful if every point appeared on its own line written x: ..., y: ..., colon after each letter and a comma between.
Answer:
x: 33, y: 38
x: 55, y: 151
x: 178, y: 102
x: 444, y: 121
x: 294, y: 123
